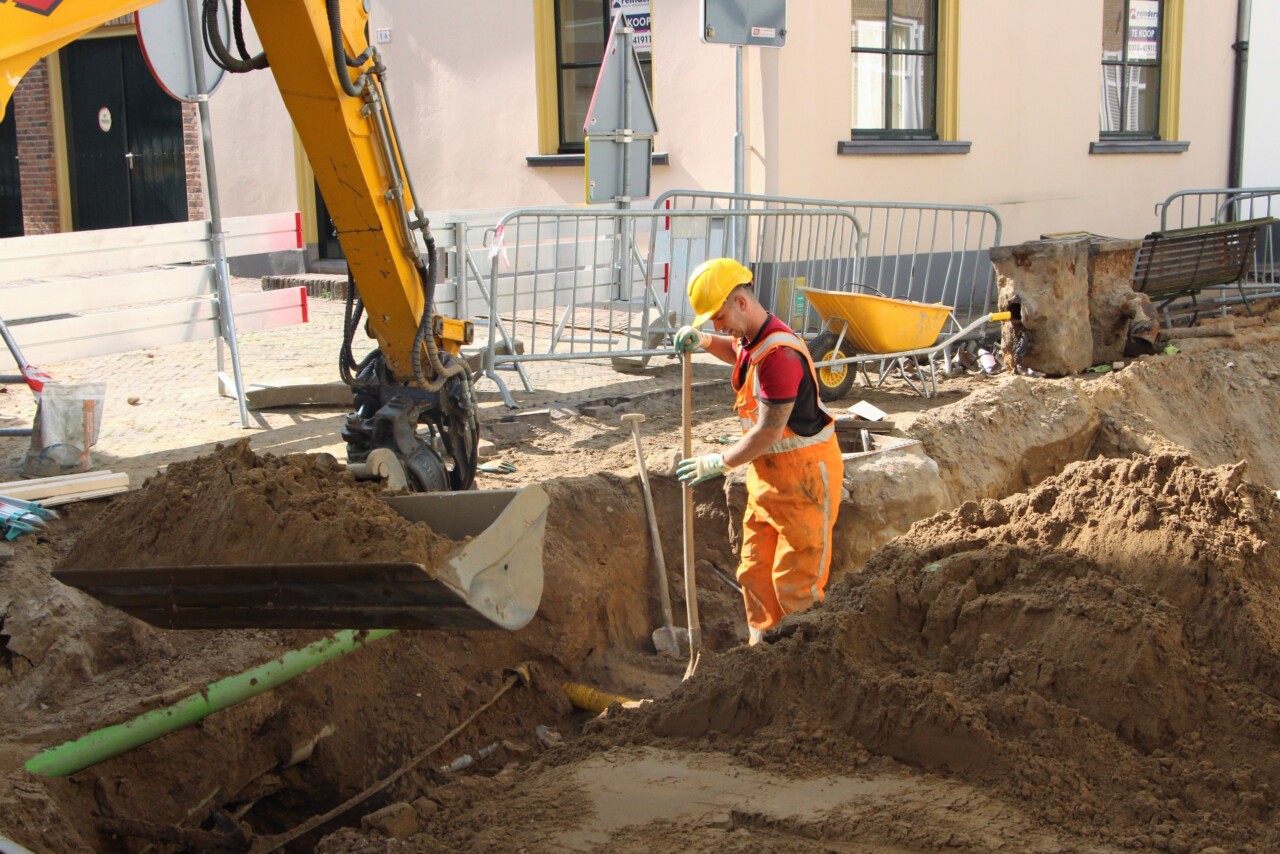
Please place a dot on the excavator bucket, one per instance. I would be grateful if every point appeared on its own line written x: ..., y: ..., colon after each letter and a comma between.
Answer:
x: 493, y: 580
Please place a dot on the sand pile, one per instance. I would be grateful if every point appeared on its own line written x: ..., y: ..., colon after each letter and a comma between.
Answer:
x: 355, y: 719
x: 1105, y: 648
x: 235, y: 506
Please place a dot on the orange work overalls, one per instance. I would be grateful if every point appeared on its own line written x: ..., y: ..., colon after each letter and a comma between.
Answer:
x: 793, y: 494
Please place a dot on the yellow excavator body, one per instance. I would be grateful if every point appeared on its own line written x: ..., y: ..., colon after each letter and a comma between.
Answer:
x: 331, y: 82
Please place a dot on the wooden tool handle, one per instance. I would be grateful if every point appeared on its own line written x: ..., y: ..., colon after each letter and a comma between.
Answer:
x: 690, y: 580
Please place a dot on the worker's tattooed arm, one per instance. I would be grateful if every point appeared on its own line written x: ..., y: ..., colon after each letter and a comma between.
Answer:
x: 775, y: 415
x: 768, y: 429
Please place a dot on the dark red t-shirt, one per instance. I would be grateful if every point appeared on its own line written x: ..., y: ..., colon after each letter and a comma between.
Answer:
x: 784, y: 378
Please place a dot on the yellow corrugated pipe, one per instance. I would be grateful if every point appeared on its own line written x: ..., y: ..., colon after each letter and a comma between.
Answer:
x: 591, y: 699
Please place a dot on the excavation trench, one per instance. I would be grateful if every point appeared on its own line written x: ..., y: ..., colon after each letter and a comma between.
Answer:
x: 980, y: 667
x: 280, y: 758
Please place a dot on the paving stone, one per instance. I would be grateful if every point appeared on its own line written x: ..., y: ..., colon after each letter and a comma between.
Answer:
x: 532, y: 417
x: 507, y: 432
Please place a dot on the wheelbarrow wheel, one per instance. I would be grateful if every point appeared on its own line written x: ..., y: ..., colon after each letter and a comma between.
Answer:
x: 834, y: 381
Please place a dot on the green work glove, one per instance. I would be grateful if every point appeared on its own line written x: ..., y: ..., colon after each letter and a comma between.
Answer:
x: 497, y: 467
x: 689, y: 339
x: 695, y: 470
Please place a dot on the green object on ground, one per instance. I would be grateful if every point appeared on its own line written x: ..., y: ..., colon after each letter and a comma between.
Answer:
x: 1171, y: 350
x: 1099, y: 369
x: 497, y: 467
x: 107, y: 742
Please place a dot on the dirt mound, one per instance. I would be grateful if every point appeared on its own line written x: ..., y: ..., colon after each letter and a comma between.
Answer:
x: 234, y: 506
x: 73, y: 665
x: 1104, y: 648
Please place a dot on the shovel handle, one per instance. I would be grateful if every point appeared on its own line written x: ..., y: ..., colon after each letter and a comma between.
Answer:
x: 690, y: 580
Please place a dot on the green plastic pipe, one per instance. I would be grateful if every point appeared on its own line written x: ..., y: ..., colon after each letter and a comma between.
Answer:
x: 111, y: 741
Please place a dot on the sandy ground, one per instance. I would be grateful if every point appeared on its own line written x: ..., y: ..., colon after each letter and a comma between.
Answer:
x: 1049, y: 630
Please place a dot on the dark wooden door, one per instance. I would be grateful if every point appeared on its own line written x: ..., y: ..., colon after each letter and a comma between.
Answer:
x: 10, y: 187
x: 124, y: 138
x: 328, y: 246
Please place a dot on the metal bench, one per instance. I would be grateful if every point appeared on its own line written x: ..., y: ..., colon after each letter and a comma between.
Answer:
x: 1182, y: 262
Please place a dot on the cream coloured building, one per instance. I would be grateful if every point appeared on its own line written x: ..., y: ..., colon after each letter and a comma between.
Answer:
x: 1061, y: 116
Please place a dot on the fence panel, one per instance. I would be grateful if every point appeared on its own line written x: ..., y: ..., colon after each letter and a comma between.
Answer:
x: 915, y: 251
x: 590, y: 284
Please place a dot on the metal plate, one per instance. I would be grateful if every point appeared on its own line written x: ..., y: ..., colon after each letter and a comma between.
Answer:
x: 281, y: 596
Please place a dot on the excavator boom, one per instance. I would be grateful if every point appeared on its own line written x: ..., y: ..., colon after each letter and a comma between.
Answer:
x: 414, y: 410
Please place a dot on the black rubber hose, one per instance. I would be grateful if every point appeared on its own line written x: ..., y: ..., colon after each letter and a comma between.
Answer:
x: 237, y: 29
x: 217, y: 48
x: 339, y: 51
x: 351, y: 320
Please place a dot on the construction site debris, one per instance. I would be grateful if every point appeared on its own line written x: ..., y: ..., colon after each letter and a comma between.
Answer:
x: 1045, y: 285
x: 1102, y: 650
x: 63, y: 489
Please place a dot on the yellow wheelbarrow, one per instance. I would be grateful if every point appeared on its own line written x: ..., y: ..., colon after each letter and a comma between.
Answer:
x: 862, y: 328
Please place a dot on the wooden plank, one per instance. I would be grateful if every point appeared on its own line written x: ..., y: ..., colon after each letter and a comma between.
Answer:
x: 266, y: 310
x: 150, y: 327
x: 84, y: 496
x: 854, y: 425
x: 254, y: 235
x: 75, y: 296
x: 59, y: 478
x: 92, y: 252
x: 68, y: 490
x: 115, y: 332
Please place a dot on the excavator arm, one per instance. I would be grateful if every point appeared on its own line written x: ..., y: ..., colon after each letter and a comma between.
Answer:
x: 332, y: 85
x: 414, y: 413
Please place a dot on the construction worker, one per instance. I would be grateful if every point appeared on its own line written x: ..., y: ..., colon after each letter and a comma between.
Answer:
x: 788, y: 440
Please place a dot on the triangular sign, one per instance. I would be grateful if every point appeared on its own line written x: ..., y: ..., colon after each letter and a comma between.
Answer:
x: 605, y: 114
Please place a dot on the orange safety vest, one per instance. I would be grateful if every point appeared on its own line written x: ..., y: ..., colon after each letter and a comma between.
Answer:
x: 747, y: 395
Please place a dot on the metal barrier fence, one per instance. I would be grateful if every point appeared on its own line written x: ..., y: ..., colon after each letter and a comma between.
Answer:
x: 591, y: 284
x: 1190, y: 208
x: 916, y: 251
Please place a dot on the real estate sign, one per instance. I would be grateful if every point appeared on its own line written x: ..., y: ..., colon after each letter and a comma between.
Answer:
x: 1144, y: 28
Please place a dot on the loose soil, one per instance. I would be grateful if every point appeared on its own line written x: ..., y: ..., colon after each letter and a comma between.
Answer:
x: 1052, y: 628
x: 235, y: 507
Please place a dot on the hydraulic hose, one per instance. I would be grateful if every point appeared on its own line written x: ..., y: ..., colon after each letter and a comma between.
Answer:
x: 217, y: 48
x: 339, y: 50
x: 105, y: 743
x: 354, y: 309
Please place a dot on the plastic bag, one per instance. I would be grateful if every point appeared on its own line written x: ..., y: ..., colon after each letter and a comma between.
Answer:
x: 67, y: 424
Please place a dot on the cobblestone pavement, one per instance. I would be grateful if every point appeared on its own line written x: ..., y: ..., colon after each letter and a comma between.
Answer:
x: 163, y: 405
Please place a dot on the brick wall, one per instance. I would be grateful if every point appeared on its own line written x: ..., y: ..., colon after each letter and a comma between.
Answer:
x: 33, y: 117
x: 192, y: 147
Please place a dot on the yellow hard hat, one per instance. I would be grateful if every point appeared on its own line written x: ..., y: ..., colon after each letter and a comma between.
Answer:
x: 711, y: 283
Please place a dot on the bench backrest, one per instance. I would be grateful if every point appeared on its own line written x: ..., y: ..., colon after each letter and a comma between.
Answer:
x: 163, y: 289
x: 1185, y: 260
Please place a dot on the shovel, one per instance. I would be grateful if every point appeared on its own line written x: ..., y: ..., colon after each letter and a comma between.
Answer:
x: 690, y: 580
x: 666, y: 638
